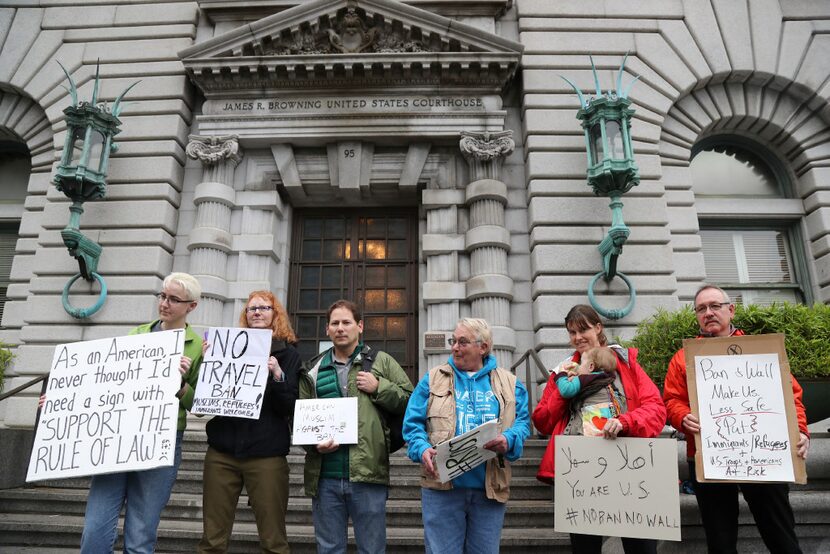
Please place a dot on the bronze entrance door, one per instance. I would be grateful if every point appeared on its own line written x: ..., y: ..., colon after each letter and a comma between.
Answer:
x: 369, y: 257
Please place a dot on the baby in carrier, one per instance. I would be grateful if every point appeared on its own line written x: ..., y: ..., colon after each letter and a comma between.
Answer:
x: 589, y: 385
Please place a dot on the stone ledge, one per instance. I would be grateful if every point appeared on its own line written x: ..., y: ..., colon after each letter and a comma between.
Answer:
x: 486, y: 189
x: 210, y: 237
x: 441, y: 244
x: 435, y: 292
x: 215, y: 192
x: 213, y: 286
x: 488, y: 235
x: 263, y: 244
x: 441, y: 198
x: 500, y: 286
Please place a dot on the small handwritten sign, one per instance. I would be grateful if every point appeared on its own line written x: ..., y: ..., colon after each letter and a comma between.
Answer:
x: 741, y: 391
x: 110, y: 406
x: 464, y: 452
x: 743, y: 423
x: 318, y: 419
x: 621, y: 488
x: 234, y: 373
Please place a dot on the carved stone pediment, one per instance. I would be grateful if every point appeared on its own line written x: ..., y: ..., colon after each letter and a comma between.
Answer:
x: 352, y: 43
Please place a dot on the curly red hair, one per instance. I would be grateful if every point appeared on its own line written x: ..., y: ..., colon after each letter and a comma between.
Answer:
x: 280, y: 324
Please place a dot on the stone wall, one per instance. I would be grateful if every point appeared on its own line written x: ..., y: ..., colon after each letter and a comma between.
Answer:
x: 754, y: 69
x: 137, y: 222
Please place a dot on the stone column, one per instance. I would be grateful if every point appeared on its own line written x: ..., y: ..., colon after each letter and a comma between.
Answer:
x: 489, y: 288
x: 210, y: 239
x: 442, y: 291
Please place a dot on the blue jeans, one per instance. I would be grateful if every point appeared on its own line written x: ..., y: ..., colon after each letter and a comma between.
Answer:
x: 336, y: 501
x: 461, y: 521
x: 144, y: 492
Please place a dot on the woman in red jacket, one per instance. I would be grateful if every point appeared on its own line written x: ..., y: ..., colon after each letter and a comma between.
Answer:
x: 633, y: 401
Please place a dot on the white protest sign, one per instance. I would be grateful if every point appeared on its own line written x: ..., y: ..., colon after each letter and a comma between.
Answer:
x: 743, y: 422
x: 110, y: 406
x: 620, y: 488
x: 464, y: 452
x: 234, y: 373
x: 319, y: 419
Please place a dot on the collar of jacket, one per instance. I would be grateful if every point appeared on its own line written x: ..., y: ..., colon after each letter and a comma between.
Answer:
x: 489, y: 365
x: 733, y: 332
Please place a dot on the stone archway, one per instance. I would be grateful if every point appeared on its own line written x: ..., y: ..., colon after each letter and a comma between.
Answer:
x: 771, y: 112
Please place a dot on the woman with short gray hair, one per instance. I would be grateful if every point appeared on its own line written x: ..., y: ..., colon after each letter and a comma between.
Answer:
x: 466, y: 514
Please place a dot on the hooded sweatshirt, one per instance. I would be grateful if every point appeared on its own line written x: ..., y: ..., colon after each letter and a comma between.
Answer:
x: 475, y: 404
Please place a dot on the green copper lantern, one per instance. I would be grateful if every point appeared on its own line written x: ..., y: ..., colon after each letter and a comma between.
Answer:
x: 82, y: 176
x: 612, y: 171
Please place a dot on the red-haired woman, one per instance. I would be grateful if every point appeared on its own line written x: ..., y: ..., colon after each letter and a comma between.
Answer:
x: 630, y: 401
x: 252, y: 451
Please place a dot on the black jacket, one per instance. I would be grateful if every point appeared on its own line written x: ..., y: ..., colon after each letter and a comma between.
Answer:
x: 270, y: 435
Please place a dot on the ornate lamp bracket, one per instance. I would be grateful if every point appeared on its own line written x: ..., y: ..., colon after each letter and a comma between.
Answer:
x: 81, y: 176
x: 611, y: 172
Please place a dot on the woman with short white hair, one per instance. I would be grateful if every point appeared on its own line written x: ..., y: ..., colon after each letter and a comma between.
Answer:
x: 145, y: 493
x: 466, y: 514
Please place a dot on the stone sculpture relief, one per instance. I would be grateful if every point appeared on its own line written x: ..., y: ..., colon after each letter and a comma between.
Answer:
x: 486, y: 146
x: 214, y: 149
x: 351, y: 32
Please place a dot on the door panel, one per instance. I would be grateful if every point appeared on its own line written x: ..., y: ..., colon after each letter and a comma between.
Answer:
x: 367, y: 256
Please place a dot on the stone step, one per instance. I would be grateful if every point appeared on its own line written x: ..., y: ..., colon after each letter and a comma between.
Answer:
x: 183, y: 536
x: 522, y: 488
x: 47, y: 517
x: 524, y: 467
x: 196, y: 441
x: 403, y: 513
x: 48, y: 533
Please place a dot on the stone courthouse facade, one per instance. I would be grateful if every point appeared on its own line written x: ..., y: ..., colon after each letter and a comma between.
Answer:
x: 420, y: 156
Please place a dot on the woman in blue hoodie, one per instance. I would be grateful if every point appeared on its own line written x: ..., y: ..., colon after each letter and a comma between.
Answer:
x: 466, y: 514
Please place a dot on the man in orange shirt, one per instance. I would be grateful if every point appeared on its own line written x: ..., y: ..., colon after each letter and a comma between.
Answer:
x: 718, y: 502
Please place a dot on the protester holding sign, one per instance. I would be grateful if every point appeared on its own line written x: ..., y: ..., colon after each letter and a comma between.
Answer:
x: 145, y: 493
x: 352, y: 480
x: 252, y: 452
x: 627, y: 405
x: 466, y: 514
x: 718, y: 502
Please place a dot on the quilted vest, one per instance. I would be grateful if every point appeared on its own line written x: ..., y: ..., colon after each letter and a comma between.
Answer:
x: 441, y: 424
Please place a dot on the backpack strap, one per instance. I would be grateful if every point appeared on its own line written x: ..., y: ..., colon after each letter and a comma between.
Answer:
x: 368, y: 355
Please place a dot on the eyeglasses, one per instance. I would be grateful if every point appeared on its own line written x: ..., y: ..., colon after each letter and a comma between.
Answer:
x: 171, y: 299
x: 255, y: 309
x: 461, y: 342
x: 714, y: 306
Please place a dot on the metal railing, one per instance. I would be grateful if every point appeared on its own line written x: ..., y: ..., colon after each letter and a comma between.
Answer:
x: 531, y: 384
x: 23, y: 387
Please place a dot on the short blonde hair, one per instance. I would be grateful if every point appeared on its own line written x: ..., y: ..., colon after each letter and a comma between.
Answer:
x: 603, y: 358
x: 480, y: 329
x: 188, y: 282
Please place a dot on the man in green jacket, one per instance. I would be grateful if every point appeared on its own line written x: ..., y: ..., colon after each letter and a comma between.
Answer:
x: 352, y: 480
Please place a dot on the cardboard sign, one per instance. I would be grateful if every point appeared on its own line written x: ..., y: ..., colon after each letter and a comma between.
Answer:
x: 234, y: 373
x: 462, y: 453
x: 625, y: 487
x: 740, y: 388
x: 110, y: 406
x: 319, y: 419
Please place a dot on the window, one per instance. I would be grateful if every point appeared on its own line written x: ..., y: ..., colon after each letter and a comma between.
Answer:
x: 15, y: 168
x: 368, y: 256
x: 755, y: 263
x: 8, y: 241
x: 749, y: 229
